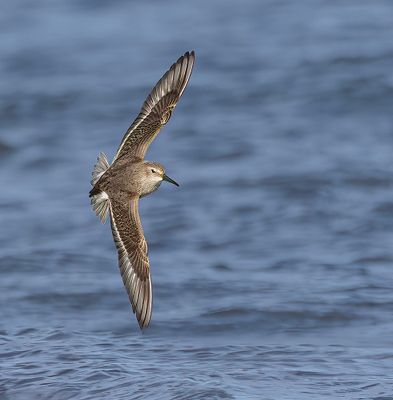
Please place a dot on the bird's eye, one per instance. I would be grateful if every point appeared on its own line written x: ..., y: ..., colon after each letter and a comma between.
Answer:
x: 153, y: 170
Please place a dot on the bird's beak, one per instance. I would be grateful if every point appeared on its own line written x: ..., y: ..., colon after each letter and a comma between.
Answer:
x: 168, y: 179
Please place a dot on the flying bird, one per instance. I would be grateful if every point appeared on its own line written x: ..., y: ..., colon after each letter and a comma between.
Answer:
x: 117, y: 187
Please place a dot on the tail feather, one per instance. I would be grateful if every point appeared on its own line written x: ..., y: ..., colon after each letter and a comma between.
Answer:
x: 100, y: 204
x: 101, y: 166
x: 99, y: 199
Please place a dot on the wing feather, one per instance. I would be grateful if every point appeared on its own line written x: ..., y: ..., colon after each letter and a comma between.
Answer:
x: 133, y: 261
x: 157, y: 108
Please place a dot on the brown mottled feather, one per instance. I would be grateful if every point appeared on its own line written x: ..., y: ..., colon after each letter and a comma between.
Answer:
x: 119, y: 185
x: 133, y: 261
x: 157, y: 108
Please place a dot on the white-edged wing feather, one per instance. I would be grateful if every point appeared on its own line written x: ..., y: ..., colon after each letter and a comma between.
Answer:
x: 157, y: 108
x: 133, y: 261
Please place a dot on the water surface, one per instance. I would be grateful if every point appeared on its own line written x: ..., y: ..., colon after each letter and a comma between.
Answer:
x: 272, y: 263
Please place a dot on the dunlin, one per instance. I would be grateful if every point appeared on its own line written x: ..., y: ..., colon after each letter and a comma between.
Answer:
x: 117, y: 187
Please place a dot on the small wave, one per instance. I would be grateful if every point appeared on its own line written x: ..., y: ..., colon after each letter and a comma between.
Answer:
x: 5, y: 148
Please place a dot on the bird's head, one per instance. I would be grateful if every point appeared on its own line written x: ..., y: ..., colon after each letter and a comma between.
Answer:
x: 154, y: 175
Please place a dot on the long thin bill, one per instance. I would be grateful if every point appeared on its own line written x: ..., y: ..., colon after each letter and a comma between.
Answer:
x: 168, y: 179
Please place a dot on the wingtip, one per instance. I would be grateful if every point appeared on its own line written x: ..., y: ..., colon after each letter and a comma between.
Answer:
x: 190, y: 54
x: 143, y: 327
x: 187, y: 54
x: 143, y: 323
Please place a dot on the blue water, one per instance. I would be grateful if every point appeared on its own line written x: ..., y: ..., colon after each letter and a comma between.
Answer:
x: 272, y: 263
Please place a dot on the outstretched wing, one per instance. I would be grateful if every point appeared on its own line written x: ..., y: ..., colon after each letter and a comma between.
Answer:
x: 157, y: 108
x: 133, y: 261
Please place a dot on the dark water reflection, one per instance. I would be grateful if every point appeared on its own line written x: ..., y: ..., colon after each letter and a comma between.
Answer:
x: 272, y: 263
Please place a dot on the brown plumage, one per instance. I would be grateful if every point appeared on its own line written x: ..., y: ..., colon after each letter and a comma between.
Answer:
x: 118, y: 187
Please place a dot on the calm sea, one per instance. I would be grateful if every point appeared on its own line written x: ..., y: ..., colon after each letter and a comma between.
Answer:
x: 272, y: 263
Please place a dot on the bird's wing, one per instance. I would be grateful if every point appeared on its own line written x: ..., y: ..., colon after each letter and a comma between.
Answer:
x: 157, y: 108
x: 133, y: 261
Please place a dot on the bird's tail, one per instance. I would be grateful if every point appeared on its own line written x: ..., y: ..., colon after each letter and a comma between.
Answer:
x: 100, y: 168
x: 99, y: 198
